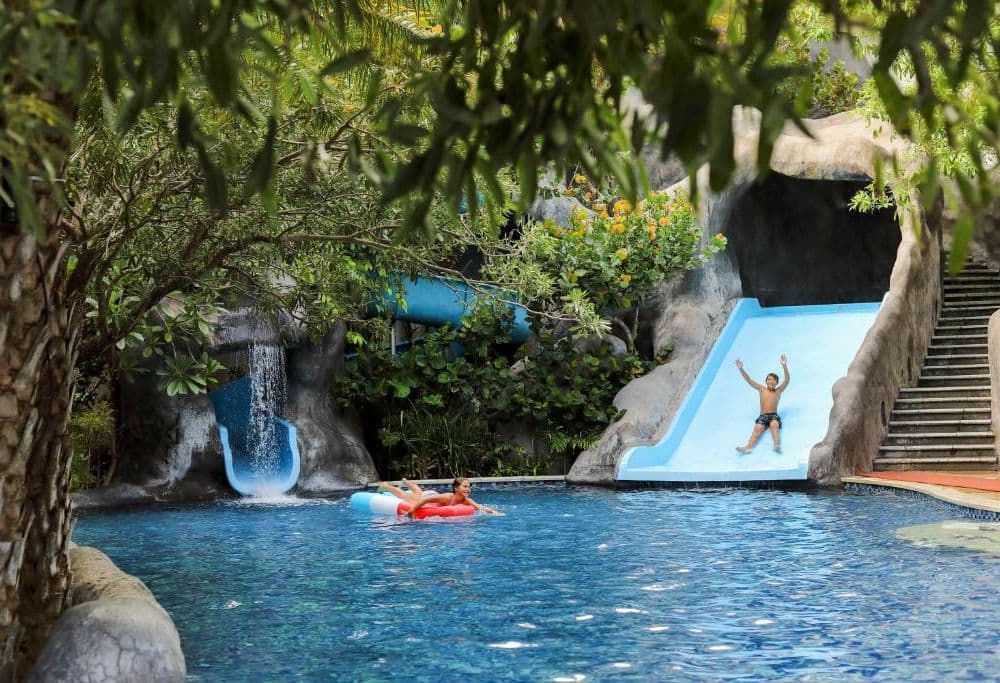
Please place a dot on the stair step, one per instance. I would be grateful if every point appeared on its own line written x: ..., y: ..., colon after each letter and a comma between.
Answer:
x: 941, y: 440
x: 953, y: 464
x: 972, y: 264
x: 956, y: 347
x: 956, y: 368
x: 955, y: 421
x: 953, y: 403
x: 987, y: 283
x: 938, y: 423
x: 940, y: 448
x: 972, y: 280
x: 937, y: 380
x: 958, y: 296
x: 940, y: 411
x: 979, y: 319
x: 958, y: 337
x: 972, y: 390
x: 949, y: 309
x: 955, y: 328
x: 964, y: 357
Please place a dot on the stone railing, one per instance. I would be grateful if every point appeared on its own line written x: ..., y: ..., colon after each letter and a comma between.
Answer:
x: 993, y: 349
x: 890, y: 356
x: 114, y: 630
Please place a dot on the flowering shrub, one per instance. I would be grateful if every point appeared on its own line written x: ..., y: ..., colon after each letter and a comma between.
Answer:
x: 617, y: 253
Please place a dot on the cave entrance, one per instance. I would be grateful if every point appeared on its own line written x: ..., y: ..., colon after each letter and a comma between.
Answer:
x: 795, y: 242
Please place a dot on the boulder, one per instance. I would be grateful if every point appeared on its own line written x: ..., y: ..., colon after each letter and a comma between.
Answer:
x: 114, y: 630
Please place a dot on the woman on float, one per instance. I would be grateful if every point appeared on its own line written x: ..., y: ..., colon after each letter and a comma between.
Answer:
x: 417, y: 498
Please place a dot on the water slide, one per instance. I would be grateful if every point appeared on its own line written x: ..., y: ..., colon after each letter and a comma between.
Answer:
x: 719, y: 411
x: 255, y: 464
x: 436, y: 301
x: 270, y: 464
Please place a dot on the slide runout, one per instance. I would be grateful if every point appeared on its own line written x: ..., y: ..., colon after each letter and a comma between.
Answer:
x: 252, y: 473
x: 718, y: 413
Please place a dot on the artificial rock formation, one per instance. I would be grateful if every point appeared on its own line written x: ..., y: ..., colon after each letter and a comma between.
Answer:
x: 333, y: 454
x: 114, y: 630
x: 792, y: 242
x: 170, y: 445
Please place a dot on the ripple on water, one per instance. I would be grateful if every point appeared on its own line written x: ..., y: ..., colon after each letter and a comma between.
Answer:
x: 979, y: 536
x: 707, y: 585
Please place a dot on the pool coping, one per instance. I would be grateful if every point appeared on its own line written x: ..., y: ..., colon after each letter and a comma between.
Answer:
x: 962, y: 497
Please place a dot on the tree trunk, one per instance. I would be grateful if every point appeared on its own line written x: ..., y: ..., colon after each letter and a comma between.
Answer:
x: 38, y: 339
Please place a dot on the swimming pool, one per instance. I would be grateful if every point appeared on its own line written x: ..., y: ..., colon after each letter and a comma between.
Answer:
x: 571, y: 585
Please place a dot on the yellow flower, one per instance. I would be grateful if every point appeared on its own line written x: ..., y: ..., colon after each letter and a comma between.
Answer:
x: 618, y: 227
x: 622, y: 254
x: 626, y: 278
x: 579, y: 178
x: 558, y: 232
x: 602, y: 214
x: 600, y: 206
x: 568, y: 192
x: 664, y: 221
x: 436, y: 28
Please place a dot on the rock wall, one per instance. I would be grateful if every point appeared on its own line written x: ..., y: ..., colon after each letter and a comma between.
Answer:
x: 114, y: 630
x: 333, y: 453
x: 752, y: 213
x: 166, y: 439
x: 993, y: 349
x: 170, y: 445
x: 889, y: 358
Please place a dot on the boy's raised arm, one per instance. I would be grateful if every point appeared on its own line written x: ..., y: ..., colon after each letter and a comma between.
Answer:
x: 755, y: 385
x: 784, y: 369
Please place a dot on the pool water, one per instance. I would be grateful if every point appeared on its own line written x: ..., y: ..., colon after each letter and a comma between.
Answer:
x: 571, y: 585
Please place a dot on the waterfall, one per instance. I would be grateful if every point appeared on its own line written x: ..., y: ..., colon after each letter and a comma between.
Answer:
x: 267, y: 401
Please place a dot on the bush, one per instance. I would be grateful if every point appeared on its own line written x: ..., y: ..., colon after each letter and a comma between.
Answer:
x: 91, y: 434
x: 436, y: 411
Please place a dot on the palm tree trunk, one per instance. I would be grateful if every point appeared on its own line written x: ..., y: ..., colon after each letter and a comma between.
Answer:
x: 38, y: 339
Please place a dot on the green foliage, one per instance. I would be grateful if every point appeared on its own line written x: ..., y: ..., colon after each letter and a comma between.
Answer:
x: 437, y: 407
x: 91, y: 431
x: 618, y: 257
x: 834, y: 88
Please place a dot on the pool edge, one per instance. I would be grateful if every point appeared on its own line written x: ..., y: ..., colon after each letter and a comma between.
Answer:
x: 965, y: 499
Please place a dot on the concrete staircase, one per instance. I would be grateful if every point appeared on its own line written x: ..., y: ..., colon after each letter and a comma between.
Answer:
x: 943, y: 423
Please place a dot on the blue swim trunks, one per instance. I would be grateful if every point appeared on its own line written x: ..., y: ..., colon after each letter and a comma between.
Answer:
x: 765, y: 419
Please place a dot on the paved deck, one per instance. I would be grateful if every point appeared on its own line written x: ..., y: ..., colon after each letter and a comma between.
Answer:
x: 980, y: 490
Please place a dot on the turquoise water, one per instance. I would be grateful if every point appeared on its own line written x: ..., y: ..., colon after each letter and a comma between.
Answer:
x: 571, y: 585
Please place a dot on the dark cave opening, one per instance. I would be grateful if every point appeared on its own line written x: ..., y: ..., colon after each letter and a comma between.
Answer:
x: 796, y: 242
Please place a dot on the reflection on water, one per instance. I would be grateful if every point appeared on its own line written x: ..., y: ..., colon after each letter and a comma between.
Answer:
x: 598, y: 584
x: 980, y: 536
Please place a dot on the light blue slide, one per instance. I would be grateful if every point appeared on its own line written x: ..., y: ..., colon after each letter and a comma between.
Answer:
x: 719, y: 411
x: 436, y: 301
x: 249, y: 472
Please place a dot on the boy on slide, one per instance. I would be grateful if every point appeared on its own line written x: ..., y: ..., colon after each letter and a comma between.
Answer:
x: 770, y: 393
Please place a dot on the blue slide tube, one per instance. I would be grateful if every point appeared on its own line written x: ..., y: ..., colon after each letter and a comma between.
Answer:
x: 436, y: 301
x: 719, y: 410
x: 232, y: 413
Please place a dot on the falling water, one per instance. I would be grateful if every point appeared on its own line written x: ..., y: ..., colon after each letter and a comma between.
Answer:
x: 267, y: 400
